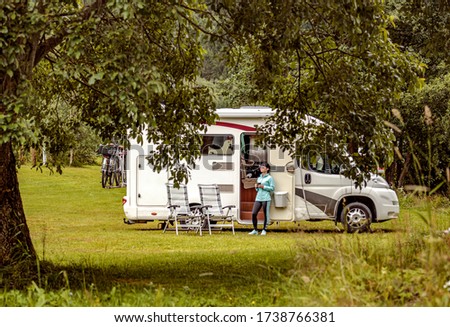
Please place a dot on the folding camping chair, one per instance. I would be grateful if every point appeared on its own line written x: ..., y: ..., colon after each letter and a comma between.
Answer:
x: 181, y: 213
x: 212, y: 207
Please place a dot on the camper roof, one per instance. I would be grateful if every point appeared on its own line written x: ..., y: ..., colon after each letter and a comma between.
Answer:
x: 258, y: 112
x: 252, y: 111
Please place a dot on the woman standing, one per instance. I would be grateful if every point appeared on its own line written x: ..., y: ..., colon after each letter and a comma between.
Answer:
x: 264, y: 187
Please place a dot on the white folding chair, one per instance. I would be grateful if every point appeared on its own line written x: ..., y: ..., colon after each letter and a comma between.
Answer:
x: 213, y: 209
x: 183, y: 215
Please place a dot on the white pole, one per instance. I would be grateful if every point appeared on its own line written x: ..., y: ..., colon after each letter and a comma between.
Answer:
x: 44, y: 155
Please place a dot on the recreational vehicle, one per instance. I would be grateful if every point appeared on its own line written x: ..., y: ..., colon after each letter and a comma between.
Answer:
x: 310, y: 188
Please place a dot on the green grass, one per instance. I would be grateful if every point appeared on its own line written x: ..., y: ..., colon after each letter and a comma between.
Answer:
x: 91, y: 258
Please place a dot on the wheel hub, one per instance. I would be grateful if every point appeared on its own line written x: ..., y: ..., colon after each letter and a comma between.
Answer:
x: 356, y: 217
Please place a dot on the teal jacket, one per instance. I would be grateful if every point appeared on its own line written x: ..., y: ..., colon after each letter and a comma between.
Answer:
x: 263, y: 194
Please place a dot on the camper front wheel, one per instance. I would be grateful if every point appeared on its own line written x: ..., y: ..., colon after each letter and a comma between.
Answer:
x: 356, y: 217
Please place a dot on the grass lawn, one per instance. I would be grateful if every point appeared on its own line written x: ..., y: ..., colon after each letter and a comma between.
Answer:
x: 91, y: 258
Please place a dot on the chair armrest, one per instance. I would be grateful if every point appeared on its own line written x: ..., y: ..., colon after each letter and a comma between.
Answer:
x: 173, y: 206
x: 229, y: 207
x: 205, y: 208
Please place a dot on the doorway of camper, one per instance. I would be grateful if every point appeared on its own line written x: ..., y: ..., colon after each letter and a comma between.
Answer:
x: 251, y: 158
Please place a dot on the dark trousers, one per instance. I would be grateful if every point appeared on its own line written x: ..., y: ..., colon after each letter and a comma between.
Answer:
x: 256, y: 207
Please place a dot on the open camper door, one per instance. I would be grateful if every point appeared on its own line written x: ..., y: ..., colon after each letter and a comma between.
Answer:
x: 282, y: 171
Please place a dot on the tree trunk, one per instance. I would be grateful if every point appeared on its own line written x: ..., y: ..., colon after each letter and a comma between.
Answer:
x: 33, y: 155
x: 18, y: 259
x: 17, y: 252
x: 401, y: 179
x: 390, y: 173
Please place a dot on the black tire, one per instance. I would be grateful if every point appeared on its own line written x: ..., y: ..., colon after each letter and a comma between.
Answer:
x: 356, y: 217
x: 116, y: 180
x: 104, y: 178
x: 116, y: 172
x: 108, y: 179
x: 106, y: 173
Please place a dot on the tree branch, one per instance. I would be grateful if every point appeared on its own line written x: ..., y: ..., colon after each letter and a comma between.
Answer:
x: 52, y: 42
x: 201, y: 28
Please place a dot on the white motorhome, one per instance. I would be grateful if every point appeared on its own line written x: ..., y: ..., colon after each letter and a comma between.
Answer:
x: 308, y: 189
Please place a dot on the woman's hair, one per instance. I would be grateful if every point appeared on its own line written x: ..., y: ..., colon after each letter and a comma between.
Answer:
x: 265, y: 164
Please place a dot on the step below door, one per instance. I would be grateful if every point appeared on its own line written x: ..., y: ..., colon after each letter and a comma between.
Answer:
x: 247, y: 201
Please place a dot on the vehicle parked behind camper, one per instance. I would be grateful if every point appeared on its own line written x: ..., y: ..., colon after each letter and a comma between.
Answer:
x: 309, y: 188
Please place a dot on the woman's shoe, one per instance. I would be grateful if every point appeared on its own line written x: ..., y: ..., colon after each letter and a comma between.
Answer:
x: 253, y: 232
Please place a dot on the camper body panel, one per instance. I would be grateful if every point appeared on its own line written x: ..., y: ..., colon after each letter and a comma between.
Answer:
x: 318, y: 194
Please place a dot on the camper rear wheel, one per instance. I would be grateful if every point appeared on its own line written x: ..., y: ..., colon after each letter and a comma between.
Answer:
x: 356, y: 217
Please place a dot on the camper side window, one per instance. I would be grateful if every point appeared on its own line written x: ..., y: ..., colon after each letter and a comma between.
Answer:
x: 321, y: 163
x: 217, y: 144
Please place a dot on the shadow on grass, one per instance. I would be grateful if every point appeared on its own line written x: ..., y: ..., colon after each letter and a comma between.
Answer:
x: 244, y: 230
x: 176, y: 274
x: 233, y: 269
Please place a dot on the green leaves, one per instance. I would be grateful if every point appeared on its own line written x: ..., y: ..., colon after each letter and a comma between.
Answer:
x: 423, y: 117
x: 95, y: 77
x: 126, y: 65
x: 118, y: 70
x: 334, y: 61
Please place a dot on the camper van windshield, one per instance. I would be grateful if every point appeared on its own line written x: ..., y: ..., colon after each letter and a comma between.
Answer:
x: 217, y: 144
